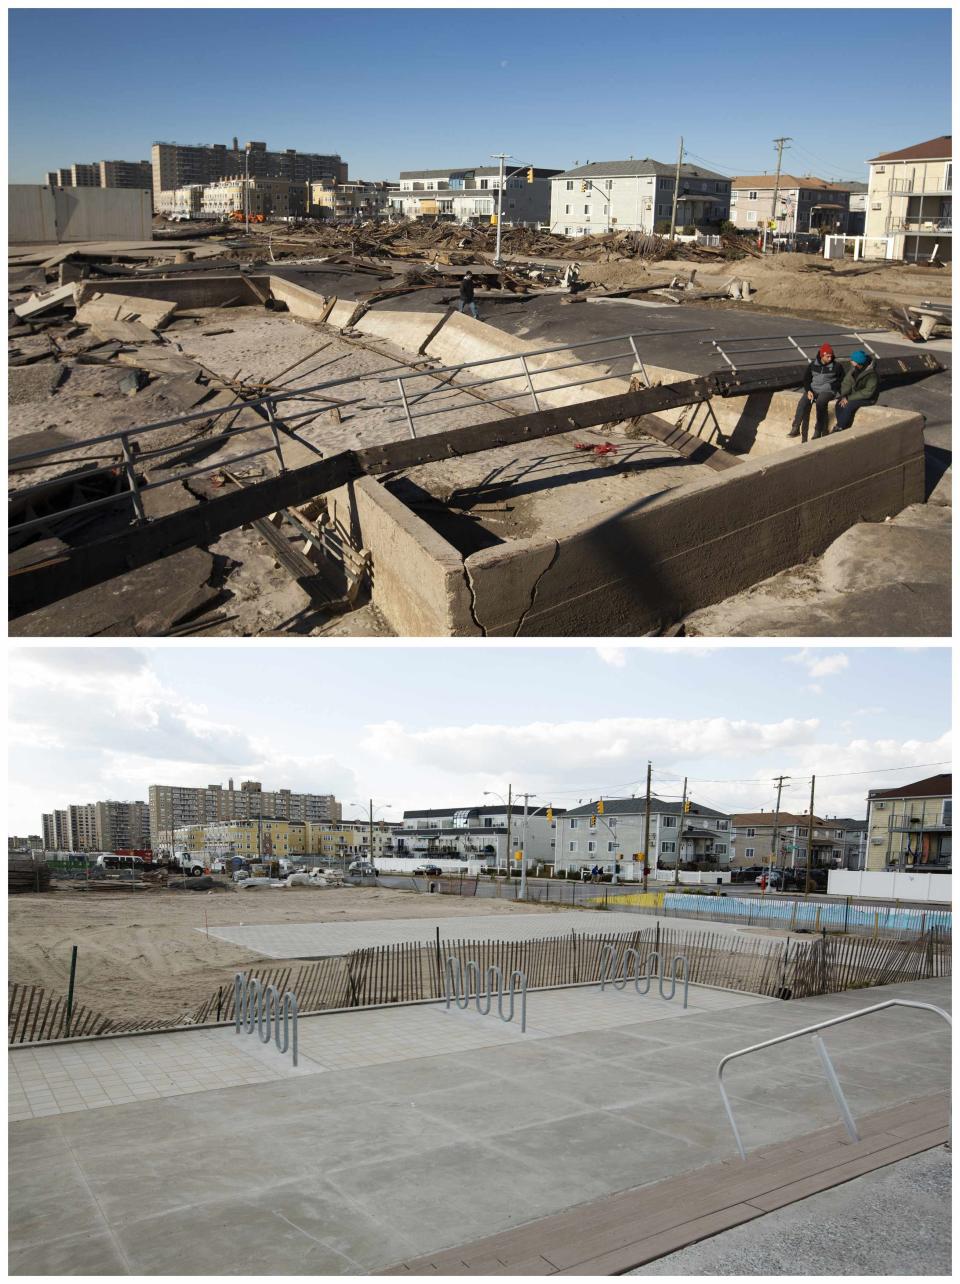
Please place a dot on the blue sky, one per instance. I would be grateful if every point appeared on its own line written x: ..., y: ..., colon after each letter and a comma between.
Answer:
x: 394, y: 89
x: 416, y: 726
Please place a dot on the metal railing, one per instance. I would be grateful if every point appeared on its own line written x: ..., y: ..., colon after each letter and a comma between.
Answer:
x: 619, y: 980
x: 739, y: 353
x: 824, y: 1056
x: 457, y: 986
x: 254, y: 1005
x: 522, y: 373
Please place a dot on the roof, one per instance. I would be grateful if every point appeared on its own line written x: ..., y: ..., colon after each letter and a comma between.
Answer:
x: 932, y: 787
x: 786, y: 181
x: 637, y: 169
x: 414, y: 813
x: 933, y: 149
x: 636, y: 807
x: 854, y: 188
x: 753, y: 818
x: 471, y: 170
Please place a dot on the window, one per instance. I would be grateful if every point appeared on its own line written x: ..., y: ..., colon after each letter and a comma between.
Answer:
x: 586, y: 210
x: 574, y: 824
x: 749, y: 853
x: 751, y: 833
x: 721, y: 849
x: 946, y: 815
x: 569, y: 184
x: 484, y: 183
x: 611, y: 847
x: 723, y: 824
x: 668, y: 821
x: 572, y: 847
x: 751, y: 196
x: 609, y: 184
x: 566, y: 209
x: 668, y: 847
x: 612, y: 822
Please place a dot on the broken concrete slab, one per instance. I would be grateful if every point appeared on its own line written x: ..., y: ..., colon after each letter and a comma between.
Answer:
x: 102, y: 381
x: 33, y: 383
x: 182, y: 391
x: 123, y: 331
x: 160, y: 362
x: 38, y: 304
x: 141, y: 604
x: 28, y: 442
x: 26, y: 278
x: 95, y: 306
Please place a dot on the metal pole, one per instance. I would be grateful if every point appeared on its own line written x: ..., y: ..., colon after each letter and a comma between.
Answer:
x: 646, y: 830
x: 246, y: 187
x: 806, y: 885
x: 509, y: 819
x: 676, y: 190
x: 523, y: 847
x: 676, y: 868
x: 406, y: 407
x: 371, y: 832
x: 502, y: 157
x: 73, y: 977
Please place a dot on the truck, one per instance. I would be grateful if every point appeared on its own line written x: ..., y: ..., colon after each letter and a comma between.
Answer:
x: 187, y: 864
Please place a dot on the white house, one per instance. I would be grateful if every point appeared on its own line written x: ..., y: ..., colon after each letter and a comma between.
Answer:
x: 462, y: 195
x: 479, y: 833
x: 587, y: 836
x: 635, y: 196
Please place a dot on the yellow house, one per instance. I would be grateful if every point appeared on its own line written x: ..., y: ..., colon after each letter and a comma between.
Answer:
x: 910, y: 199
x: 910, y: 827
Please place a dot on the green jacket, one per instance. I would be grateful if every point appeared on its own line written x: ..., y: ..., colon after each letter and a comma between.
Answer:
x: 861, y: 383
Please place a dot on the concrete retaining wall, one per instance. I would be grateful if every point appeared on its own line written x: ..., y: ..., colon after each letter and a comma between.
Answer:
x: 305, y: 304
x: 38, y: 214
x: 205, y: 290
x: 408, y: 330
x: 651, y: 563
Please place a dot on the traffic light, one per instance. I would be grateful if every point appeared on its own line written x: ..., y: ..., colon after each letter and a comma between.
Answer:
x: 584, y: 185
x: 593, y: 822
x: 686, y: 806
x: 530, y: 175
x: 550, y: 815
x: 600, y: 807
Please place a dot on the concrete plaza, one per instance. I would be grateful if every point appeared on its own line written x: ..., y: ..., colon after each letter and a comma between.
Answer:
x: 407, y: 1130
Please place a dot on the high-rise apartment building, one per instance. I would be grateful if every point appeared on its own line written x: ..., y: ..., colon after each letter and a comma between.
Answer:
x: 83, y: 827
x: 137, y: 174
x: 173, y: 807
x: 122, y: 825
x: 176, y: 165
x: 85, y: 175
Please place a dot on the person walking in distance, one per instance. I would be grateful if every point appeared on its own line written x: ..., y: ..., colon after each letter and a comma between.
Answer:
x: 860, y: 387
x: 467, y: 285
x: 821, y: 384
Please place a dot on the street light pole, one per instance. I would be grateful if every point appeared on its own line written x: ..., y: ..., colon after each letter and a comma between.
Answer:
x: 246, y: 187
x: 646, y: 830
x: 523, y: 847
x: 502, y: 156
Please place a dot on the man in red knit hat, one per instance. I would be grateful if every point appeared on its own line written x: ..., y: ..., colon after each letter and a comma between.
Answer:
x: 821, y: 385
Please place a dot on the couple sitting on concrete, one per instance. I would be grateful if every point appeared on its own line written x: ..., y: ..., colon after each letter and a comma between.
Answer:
x: 825, y: 381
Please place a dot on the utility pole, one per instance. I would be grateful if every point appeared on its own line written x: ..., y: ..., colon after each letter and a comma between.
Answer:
x: 806, y: 886
x: 509, y: 818
x: 774, y: 851
x: 371, y: 832
x: 676, y: 192
x: 779, y: 143
x: 523, y: 847
x: 501, y: 156
x: 246, y: 188
x: 646, y: 830
x: 683, y: 808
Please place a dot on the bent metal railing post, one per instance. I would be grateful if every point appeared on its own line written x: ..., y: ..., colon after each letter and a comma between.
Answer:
x: 254, y: 1005
x: 652, y: 967
x: 821, y: 1048
x: 457, y: 983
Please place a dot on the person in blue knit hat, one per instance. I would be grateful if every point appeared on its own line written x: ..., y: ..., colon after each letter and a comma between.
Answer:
x: 860, y: 387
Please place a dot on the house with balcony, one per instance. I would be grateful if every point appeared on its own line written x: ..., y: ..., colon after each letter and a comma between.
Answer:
x: 491, y: 834
x: 803, y: 204
x: 909, y: 828
x: 783, y: 840
x: 910, y: 200
x: 636, y: 196
x: 469, y: 195
x: 356, y: 199
x: 586, y: 836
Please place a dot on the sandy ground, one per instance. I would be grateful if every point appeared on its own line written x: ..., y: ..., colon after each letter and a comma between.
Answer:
x: 146, y: 954
x: 799, y: 284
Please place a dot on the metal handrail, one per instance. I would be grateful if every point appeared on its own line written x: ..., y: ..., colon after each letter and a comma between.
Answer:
x: 824, y: 1057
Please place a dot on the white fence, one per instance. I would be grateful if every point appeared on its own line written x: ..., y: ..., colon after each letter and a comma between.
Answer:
x: 864, y: 247
x: 449, y: 865
x: 891, y: 886
x: 709, y: 877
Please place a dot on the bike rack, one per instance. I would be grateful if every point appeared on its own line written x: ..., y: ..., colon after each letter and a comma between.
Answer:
x: 457, y: 987
x: 254, y: 1005
x: 608, y: 972
x: 821, y: 1048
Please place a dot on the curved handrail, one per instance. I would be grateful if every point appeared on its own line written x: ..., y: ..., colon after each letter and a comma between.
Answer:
x: 457, y: 987
x: 824, y: 1057
x: 256, y: 1006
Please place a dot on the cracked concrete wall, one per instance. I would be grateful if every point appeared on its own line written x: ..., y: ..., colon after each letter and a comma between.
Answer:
x: 205, y: 290
x: 417, y: 579
x: 307, y: 305
x: 654, y: 562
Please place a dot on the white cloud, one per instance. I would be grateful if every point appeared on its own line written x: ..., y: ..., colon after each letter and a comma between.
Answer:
x: 615, y: 656
x: 819, y: 665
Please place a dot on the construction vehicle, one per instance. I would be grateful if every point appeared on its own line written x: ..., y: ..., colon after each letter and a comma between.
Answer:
x: 238, y: 217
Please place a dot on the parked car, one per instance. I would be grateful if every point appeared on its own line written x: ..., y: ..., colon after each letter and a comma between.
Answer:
x: 748, y: 874
x: 774, y: 878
